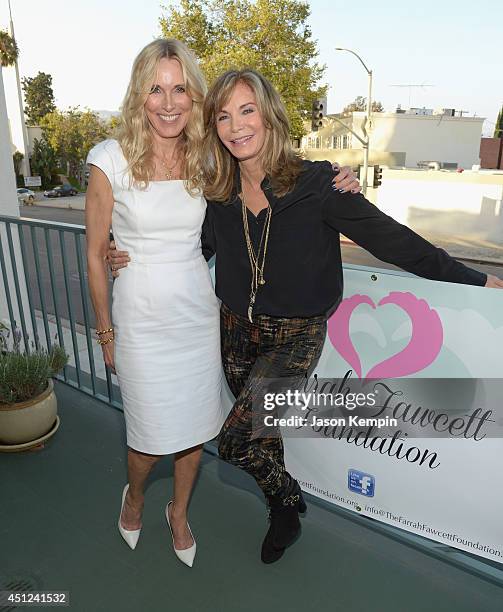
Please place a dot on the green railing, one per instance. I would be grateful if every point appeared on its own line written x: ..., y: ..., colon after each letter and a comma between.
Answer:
x: 45, y: 298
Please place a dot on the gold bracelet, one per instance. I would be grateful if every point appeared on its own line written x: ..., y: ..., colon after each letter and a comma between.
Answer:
x: 104, y: 331
x: 99, y: 341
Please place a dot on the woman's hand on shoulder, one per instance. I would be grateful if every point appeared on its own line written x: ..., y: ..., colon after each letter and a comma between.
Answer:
x: 345, y: 179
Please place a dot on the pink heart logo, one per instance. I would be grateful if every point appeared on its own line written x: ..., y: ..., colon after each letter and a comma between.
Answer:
x: 422, y: 349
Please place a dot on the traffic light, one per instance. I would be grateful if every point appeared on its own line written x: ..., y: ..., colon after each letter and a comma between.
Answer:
x: 317, y: 115
x: 377, y: 177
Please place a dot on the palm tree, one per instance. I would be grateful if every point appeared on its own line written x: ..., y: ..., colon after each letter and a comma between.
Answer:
x: 9, y: 51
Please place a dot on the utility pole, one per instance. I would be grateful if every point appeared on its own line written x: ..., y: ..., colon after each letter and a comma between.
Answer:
x: 26, y: 161
x: 366, y: 137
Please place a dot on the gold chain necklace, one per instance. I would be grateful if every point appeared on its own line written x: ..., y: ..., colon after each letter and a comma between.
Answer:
x: 169, y: 171
x: 256, y: 267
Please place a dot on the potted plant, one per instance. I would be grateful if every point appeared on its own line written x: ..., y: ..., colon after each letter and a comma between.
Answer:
x: 28, y: 405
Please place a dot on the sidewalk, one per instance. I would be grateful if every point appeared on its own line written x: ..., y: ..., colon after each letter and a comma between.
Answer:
x: 72, y: 203
x: 81, y: 342
x: 469, y: 246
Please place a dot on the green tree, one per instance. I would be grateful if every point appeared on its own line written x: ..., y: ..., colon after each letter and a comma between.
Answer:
x: 39, y: 97
x: 271, y: 36
x: 498, y: 128
x: 359, y: 104
x: 9, y: 51
x: 71, y: 134
x: 43, y: 161
x: 113, y: 124
x: 17, y: 158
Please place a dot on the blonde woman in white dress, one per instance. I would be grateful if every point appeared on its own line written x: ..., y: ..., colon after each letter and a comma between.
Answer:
x: 162, y: 337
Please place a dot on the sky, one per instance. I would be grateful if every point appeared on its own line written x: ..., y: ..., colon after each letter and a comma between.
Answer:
x: 88, y: 48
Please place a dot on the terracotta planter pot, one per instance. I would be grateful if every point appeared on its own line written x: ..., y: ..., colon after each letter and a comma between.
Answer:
x: 27, y: 421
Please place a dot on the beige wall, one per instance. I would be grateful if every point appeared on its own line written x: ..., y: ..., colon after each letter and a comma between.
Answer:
x: 421, y: 138
x: 331, y: 128
x: 468, y: 203
x: 354, y: 157
x: 436, y: 202
x: 33, y: 132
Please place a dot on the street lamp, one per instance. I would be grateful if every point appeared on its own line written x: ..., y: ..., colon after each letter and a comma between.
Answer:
x: 366, y: 140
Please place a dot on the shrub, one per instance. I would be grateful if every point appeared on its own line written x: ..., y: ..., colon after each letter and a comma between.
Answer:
x: 26, y: 374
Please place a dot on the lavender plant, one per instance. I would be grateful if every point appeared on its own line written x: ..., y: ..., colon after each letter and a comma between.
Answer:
x: 24, y: 374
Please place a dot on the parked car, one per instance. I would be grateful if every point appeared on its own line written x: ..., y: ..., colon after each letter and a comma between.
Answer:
x: 61, y: 191
x: 25, y: 196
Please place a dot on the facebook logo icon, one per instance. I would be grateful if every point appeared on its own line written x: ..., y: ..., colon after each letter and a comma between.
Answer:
x: 361, y: 483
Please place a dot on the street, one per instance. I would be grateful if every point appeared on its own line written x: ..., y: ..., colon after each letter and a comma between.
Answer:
x: 351, y: 254
x: 68, y: 202
x: 57, y: 215
x: 60, y: 213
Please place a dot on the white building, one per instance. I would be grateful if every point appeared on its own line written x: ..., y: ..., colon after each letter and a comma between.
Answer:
x: 412, y: 137
x: 14, y: 117
x: 13, y: 110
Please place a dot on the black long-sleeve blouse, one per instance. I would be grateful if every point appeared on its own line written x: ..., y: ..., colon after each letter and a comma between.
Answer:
x: 303, y: 268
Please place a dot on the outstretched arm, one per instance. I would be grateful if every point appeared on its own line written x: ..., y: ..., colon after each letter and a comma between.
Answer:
x: 390, y: 241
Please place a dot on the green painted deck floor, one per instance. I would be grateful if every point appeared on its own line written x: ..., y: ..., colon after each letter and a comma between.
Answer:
x: 58, y: 514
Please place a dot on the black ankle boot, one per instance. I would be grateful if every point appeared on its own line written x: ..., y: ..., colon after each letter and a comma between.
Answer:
x: 269, y: 554
x: 285, y: 524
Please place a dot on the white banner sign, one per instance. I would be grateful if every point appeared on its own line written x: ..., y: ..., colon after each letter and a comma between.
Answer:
x: 32, y: 181
x: 444, y: 488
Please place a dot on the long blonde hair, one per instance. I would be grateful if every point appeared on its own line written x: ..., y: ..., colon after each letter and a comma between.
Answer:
x: 134, y: 133
x: 279, y: 161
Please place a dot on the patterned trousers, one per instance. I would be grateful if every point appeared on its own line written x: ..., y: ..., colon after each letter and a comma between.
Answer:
x: 268, y: 348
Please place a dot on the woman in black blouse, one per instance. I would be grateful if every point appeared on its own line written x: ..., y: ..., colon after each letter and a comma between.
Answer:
x: 274, y: 222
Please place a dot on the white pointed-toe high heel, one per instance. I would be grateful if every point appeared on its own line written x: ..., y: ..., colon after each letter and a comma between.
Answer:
x: 131, y: 537
x: 187, y: 554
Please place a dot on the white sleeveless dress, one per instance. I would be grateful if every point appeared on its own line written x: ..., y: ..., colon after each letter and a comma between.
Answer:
x: 164, y: 311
